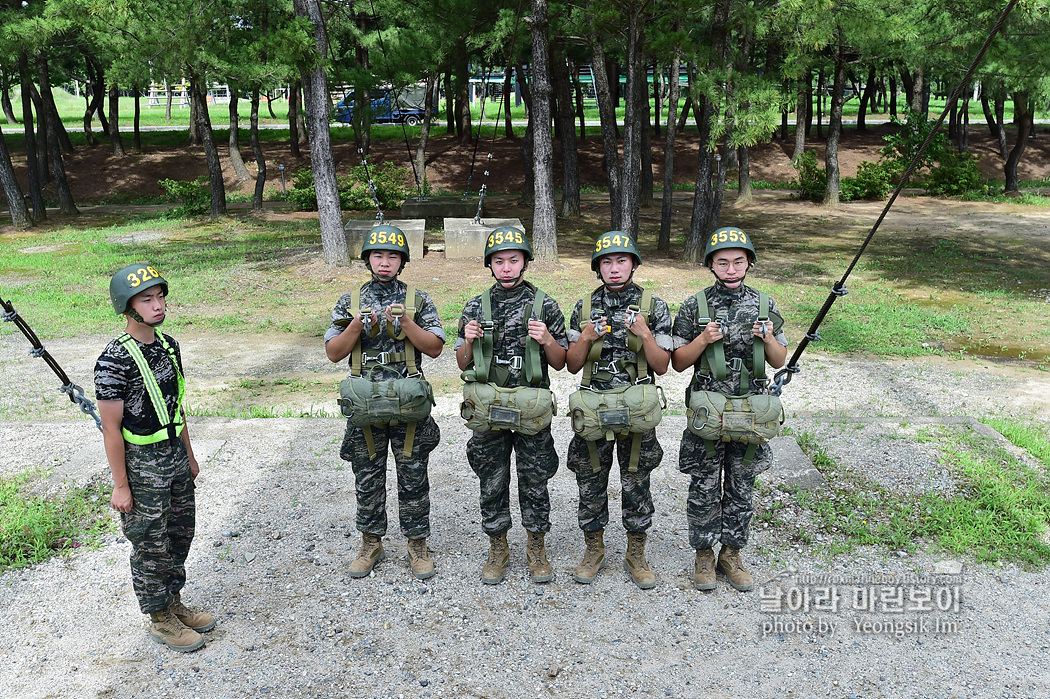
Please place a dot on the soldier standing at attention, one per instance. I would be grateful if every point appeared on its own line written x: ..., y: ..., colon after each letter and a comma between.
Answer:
x: 614, y: 317
x: 718, y: 341
x: 384, y: 333
x: 509, y: 313
x: 139, y: 386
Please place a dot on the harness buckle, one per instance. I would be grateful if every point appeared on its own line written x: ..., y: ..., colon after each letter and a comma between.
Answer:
x: 647, y: 379
x: 382, y: 357
x: 736, y: 364
x: 764, y: 323
x: 632, y: 314
x: 610, y: 367
x: 517, y: 362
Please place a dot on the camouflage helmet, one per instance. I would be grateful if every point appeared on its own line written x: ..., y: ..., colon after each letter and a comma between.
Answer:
x: 386, y: 237
x: 507, y: 238
x: 613, y: 242
x: 132, y: 280
x: 729, y: 237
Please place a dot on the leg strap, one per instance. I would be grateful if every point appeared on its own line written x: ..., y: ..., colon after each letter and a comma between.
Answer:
x: 596, y: 464
x: 636, y: 449
x: 749, y: 454
x: 709, y: 448
x: 369, y: 441
x: 410, y: 436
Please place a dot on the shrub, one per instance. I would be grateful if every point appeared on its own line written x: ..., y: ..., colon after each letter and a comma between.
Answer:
x: 902, y: 146
x: 194, y: 195
x: 812, y: 180
x: 354, y: 193
x: 955, y: 173
x: 872, y: 181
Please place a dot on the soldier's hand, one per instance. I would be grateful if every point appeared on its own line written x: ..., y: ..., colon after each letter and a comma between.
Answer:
x: 472, y: 331
x: 121, y: 500
x: 538, y: 332
x: 592, y: 331
x: 636, y: 325
x: 763, y: 329
x: 390, y: 316
x: 194, y: 468
x: 712, y: 332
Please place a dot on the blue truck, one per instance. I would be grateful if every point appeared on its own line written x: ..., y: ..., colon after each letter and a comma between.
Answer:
x: 404, y: 106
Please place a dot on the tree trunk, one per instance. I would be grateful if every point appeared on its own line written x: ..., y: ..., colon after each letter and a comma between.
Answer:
x: 820, y: 104
x: 235, y: 137
x: 632, y: 117
x: 36, y: 192
x: 745, y: 194
x: 528, y: 187
x: 570, y: 167
x: 98, y: 90
x: 89, y: 135
x: 450, y: 105
x: 667, y: 207
x: 646, y: 196
x: 805, y: 89
x: 211, y: 152
x: 16, y: 202
x: 47, y: 121
x: 607, y: 116
x: 1021, y: 115
x: 114, y: 122
x: 918, y: 88
x: 574, y: 72
x: 138, y: 118
x: 867, y: 98
x: 257, y: 151
x: 704, y: 213
x: 995, y: 120
x: 657, y: 98
x: 315, y: 99
x: 194, y: 132
x: 508, y: 86
x: 893, y: 96
x: 5, y: 97
x: 293, y: 120
x: 544, y: 221
x: 47, y: 99
x: 838, y: 92
x: 463, y: 122
x: 420, y: 169
x: 43, y: 158
x: 169, y: 93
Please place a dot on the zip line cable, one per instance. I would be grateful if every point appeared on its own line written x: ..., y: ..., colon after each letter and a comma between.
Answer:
x: 783, y: 377
x: 75, y: 393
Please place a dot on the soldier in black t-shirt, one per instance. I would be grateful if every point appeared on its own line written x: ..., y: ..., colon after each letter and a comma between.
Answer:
x: 139, y: 386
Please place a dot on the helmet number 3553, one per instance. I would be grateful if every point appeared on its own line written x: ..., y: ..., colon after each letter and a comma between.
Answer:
x: 728, y: 236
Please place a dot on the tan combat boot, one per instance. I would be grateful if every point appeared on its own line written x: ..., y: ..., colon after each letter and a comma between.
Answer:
x: 635, y: 564
x: 593, y: 557
x: 729, y: 563
x: 166, y: 629
x: 536, y: 556
x: 198, y: 621
x: 704, y: 570
x: 419, y: 559
x: 499, y: 555
x: 371, y: 553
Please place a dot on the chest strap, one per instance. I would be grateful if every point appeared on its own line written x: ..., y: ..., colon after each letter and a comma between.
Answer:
x: 713, y: 362
x: 484, y: 346
x: 638, y: 369
x: 171, y: 423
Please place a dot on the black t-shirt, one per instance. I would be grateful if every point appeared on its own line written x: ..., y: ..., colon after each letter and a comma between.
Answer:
x: 117, y: 378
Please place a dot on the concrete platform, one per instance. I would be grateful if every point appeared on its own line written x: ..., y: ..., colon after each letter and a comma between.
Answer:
x: 355, y: 231
x: 436, y: 209
x: 464, y: 238
x: 792, y: 466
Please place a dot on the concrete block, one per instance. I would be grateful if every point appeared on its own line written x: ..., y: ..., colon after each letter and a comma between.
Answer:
x: 356, y: 230
x: 792, y: 466
x: 437, y: 209
x: 464, y: 238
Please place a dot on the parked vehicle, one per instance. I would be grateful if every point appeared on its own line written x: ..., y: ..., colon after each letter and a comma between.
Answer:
x: 386, y: 107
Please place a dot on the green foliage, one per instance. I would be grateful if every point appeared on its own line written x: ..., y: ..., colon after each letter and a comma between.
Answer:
x: 873, y: 181
x: 193, y: 195
x: 35, y: 527
x: 812, y: 180
x: 955, y: 173
x: 903, y: 144
x: 354, y: 192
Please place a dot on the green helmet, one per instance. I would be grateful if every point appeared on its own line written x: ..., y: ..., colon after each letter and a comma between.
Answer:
x: 132, y: 280
x: 386, y: 237
x: 507, y: 238
x: 611, y: 242
x: 729, y: 237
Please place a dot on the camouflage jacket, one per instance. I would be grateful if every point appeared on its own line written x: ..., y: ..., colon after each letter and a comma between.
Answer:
x: 117, y: 378
x: 377, y: 296
x: 511, y: 311
x: 741, y: 309
x: 614, y: 347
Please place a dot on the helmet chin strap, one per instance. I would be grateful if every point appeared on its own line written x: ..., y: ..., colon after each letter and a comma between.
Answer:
x: 720, y: 282
x: 133, y: 314
x: 516, y: 280
x: 618, y: 287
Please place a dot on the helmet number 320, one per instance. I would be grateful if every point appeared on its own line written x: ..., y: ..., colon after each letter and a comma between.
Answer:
x: 386, y: 237
x: 142, y: 274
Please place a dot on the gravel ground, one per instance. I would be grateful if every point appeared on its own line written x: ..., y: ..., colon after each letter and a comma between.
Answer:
x: 275, y: 534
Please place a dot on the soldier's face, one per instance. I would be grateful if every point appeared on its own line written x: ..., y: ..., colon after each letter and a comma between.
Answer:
x: 616, y: 269
x: 384, y: 263
x: 507, y: 267
x: 150, y: 305
x: 730, y: 266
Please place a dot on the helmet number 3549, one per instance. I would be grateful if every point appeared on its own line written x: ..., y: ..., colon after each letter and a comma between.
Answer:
x: 382, y: 236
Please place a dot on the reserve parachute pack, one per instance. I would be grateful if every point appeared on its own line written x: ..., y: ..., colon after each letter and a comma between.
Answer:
x: 487, y: 403
x: 405, y: 401
x: 631, y: 410
x: 753, y: 417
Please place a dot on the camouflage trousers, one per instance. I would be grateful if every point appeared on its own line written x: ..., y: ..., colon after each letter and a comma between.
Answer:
x: 636, y: 498
x: 720, y: 504
x: 413, y: 482
x: 161, y: 522
x: 537, y: 462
